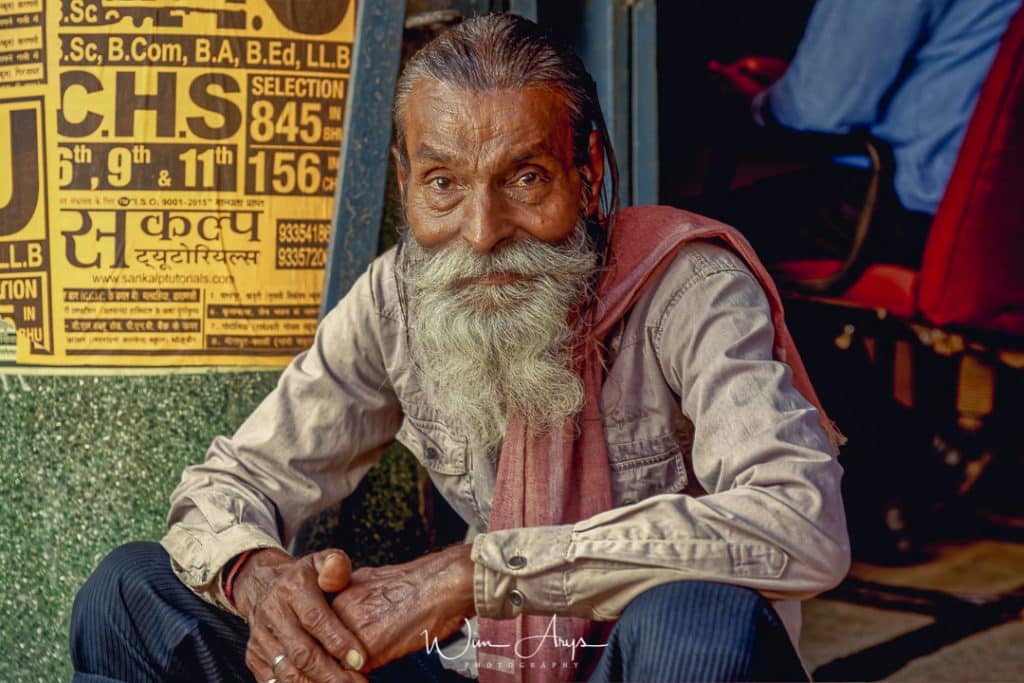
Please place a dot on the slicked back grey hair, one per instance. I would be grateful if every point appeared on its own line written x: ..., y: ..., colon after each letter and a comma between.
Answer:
x: 507, y: 52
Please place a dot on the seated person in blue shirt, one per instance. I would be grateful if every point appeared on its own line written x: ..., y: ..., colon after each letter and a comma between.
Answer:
x: 905, y: 72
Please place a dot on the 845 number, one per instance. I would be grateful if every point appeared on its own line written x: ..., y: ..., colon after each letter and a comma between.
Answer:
x: 295, y: 122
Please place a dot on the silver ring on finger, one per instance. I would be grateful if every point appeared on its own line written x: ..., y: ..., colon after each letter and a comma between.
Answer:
x: 271, y: 680
x: 276, y: 662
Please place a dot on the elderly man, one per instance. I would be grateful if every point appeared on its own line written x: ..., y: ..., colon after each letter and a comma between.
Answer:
x: 609, y: 399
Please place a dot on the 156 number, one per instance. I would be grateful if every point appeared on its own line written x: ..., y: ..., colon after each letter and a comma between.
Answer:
x: 287, y: 172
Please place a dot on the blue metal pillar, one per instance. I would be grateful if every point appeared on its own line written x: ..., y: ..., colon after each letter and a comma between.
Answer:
x: 524, y: 8
x: 618, y: 43
x: 359, y: 197
x: 644, y: 109
x: 604, y: 46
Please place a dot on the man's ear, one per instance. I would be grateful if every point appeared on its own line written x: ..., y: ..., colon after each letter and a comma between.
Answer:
x: 401, y: 172
x: 593, y: 171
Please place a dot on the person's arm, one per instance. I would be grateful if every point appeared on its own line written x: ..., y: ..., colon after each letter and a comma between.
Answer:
x: 772, y: 519
x: 305, y: 447
x: 851, y: 56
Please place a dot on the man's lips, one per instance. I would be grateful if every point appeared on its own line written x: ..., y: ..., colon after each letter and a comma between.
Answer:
x: 492, y: 279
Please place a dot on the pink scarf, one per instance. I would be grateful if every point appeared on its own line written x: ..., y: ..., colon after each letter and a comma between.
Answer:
x: 564, y: 477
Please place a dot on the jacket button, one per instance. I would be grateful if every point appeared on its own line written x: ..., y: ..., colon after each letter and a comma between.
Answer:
x: 431, y: 453
x: 516, y: 598
x: 517, y: 562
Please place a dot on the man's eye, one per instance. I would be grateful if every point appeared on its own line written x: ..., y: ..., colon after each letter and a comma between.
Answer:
x: 440, y: 183
x: 527, y: 179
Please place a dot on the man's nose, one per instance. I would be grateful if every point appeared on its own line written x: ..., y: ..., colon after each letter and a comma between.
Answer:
x: 487, y: 224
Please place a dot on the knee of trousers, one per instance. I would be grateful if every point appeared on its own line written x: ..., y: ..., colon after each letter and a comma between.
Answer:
x: 694, y: 617
x: 121, y: 584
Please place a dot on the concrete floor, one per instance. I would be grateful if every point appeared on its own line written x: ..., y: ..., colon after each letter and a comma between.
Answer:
x: 957, y: 617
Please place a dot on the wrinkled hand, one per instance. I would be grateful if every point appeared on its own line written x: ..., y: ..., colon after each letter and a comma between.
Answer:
x: 749, y: 75
x: 284, y: 601
x: 390, y: 607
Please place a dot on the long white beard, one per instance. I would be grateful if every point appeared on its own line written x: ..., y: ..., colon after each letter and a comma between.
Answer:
x: 488, y: 350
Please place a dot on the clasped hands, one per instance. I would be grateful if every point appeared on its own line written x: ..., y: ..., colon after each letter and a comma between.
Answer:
x: 335, y: 624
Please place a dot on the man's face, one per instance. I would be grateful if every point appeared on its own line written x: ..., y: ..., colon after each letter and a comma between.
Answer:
x: 493, y: 168
x: 500, y: 254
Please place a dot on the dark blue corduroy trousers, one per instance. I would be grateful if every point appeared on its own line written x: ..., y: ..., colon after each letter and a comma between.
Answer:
x: 133, y: 620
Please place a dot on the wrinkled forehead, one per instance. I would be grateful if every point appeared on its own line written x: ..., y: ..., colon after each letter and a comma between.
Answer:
x: 445, y: 119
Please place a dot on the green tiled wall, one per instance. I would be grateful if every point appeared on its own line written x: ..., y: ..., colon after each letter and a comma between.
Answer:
x: 87, y: 463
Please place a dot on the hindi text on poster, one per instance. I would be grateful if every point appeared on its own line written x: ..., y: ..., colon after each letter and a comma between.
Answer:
x: 167, y: 169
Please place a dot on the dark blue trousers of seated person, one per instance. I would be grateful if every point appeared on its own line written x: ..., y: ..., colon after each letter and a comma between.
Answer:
x: 133, y: 620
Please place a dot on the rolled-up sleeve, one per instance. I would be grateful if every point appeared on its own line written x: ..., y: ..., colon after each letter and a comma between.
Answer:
x: 306, y: 446
x: 772, y: 518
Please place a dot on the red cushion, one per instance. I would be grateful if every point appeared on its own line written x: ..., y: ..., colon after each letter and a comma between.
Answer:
x: 973, y: 268
x: 884, y: 286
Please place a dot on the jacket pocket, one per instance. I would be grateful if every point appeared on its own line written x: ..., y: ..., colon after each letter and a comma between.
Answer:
x: 645, y: 468
x: 432, y: 443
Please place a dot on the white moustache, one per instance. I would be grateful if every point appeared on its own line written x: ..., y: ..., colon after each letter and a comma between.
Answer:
x: 489, y: 330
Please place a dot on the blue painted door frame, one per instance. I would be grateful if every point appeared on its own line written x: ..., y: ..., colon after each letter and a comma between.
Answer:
x: 617, y: 40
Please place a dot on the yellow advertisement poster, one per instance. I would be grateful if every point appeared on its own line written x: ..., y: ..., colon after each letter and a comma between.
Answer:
x: 167, y: 173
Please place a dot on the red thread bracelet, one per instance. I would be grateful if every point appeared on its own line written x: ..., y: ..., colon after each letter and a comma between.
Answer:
x: 229, y: 582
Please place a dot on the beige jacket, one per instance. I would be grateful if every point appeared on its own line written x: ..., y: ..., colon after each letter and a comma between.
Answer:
x: 720, y: 470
